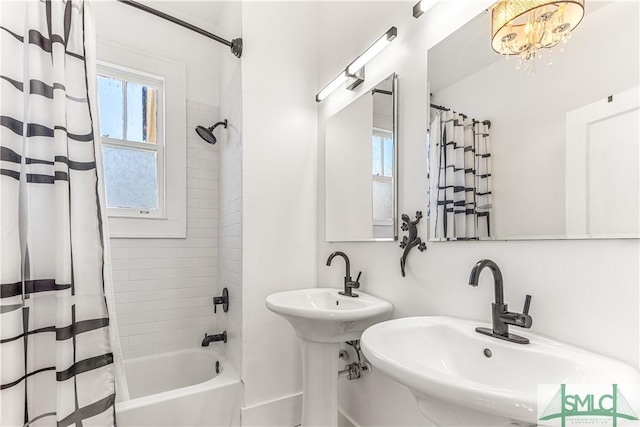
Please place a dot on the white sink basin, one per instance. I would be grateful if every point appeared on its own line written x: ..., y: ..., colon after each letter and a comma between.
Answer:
x: 323, y: 315
x: 322, y: 319
x: 442, y: 360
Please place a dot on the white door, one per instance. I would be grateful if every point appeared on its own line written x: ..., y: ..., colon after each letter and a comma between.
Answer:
x: 603, y: 173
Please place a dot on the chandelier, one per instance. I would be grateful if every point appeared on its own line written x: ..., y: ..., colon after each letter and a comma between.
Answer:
x: 523, y: 28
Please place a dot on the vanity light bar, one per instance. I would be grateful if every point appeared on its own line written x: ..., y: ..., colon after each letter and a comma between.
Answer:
x: 335, y: 83
x: 370, y: 53
x: 355, y: 69
x: 422, y: 6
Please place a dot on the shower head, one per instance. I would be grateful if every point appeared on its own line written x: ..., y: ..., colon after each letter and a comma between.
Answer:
x: 207, y: 133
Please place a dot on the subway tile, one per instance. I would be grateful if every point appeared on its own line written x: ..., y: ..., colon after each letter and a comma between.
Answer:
x: 141, y: 328
x: 141, y: 296
x: 176, y: 303
x: 202, y: 232
x: 200, y: 212
x: 197, y: 252
x: 137, y: 351
x: 173, y: 345
x: 193, y: 183
x: 160, y: 336
x: 137, y: 318
x: 121, y: 297
x: 202, y: 174
x: 137, y: 307
x: 202, y: 154
x: 153, y: 253
x: 208, y: 203
x: 117, y: 253
x: 208, y: 223
x: 199, y: 193
x: 191, y: 224
x: 209, y: 184
x: 120, y: 275
x: 203, y: 165
x: 175, y: 324
x: 122, y: 319
x: 139, y: 340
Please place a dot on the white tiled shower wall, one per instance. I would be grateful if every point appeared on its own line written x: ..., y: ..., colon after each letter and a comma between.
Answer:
x: 164, y: 287
x: 230, y: 220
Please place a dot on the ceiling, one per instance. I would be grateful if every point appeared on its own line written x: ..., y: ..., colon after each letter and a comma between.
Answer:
x: 468, y: 50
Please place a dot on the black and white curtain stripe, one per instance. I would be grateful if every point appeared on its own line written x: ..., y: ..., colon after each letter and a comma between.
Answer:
x: 460, y: 171
x: 57, y: 362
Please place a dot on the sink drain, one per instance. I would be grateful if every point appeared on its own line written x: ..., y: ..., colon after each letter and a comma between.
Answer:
x: 488, y: 352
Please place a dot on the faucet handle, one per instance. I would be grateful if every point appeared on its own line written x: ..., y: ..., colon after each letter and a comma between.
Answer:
x: 356, y: 283
x: 527, y: 303
x: 524, y: 320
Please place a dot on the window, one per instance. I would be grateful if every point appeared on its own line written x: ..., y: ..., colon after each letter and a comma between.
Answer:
x: 131, y: 112
x: 142, y: 109
x: 382, y: 176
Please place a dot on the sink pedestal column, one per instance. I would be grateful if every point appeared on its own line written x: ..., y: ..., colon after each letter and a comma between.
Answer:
x: 320, y: 383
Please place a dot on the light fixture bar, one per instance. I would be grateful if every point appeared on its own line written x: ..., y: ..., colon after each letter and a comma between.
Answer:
x: 354, y: 73
x: 422, y: 6
x: 335, y: 83
x: 375, y: 49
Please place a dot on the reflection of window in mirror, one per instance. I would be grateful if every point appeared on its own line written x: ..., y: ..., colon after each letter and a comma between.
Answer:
x: 382, y: 177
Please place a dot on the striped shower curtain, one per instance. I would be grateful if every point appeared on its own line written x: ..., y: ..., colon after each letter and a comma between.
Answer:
x: 460, y: 184
x: 57, y: 362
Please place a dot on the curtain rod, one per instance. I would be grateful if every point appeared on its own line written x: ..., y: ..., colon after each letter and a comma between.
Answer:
x: 439, y: 107
x: 235, y: 44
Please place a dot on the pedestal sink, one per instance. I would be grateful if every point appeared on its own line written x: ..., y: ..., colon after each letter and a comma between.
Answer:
x: 462, y: 378
x: 322, y: 319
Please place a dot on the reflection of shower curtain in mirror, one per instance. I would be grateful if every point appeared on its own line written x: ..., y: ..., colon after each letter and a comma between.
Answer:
x: 57, y: 338
x: 460, y: 187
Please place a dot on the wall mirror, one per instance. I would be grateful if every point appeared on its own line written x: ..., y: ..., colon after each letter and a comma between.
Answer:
x: 361, y: 167
x: 554, y: 153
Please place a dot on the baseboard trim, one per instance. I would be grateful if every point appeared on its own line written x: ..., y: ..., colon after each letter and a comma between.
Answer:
x: 284, y: 411
x: 350, y: 422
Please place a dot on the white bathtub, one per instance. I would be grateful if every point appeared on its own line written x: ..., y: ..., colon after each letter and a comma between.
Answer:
x: 180, y: 389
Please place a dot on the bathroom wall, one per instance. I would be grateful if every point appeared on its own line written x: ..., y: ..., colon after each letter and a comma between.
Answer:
x: 279, y: 180
x: 230, y: 187
x: 164, y: 287
x: 584, y: 292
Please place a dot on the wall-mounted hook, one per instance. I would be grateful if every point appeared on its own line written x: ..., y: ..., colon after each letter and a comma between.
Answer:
x: 413, y: 240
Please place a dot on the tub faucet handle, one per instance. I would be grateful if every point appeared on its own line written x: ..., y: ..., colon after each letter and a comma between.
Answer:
x: 222, y: 300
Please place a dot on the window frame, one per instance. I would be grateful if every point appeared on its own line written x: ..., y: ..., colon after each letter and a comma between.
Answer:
x: 128, y: 75
x: 383, y: 134
x: 173, y: 224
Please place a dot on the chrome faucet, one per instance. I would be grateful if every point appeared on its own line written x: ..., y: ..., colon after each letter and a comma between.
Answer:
x: 500, y: 315
x: 349, y: 284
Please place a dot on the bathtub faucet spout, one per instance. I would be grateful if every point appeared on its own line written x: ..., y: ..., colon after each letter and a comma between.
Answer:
x: 208, y: 339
